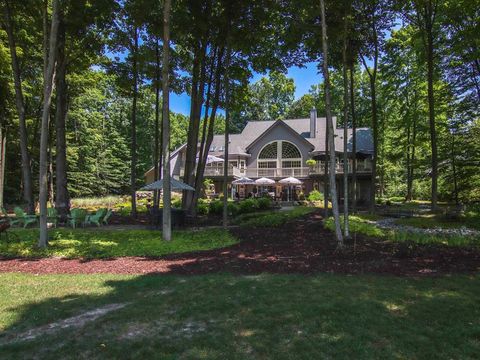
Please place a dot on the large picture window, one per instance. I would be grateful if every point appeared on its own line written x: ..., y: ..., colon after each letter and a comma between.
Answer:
x: 279, y: 154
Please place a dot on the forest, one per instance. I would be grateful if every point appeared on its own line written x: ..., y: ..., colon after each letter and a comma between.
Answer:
x: 92, y: 105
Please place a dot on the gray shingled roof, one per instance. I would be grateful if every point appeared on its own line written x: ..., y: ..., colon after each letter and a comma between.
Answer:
x: 253, y: 129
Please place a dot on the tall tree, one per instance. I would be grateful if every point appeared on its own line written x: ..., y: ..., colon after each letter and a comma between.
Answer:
x: 167, y: 220
x: 331, y: 138
x: 47, y: 96
x: 19, y: 98
x: 345, y: 122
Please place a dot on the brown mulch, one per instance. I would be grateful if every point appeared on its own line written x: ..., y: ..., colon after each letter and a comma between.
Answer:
x: 301, y: 246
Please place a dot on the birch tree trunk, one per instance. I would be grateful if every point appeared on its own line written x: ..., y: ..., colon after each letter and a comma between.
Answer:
x: 167, y: 220
x: 346, y: 229
x: 331, y: 138
x: 133, y: 149
x: 47, y: 97
x: 62, y: 200
x: 157, y: 153
x: 20, y: 104
x: 354, y: 138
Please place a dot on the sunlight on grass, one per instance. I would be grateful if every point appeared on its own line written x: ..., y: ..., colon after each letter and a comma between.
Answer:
x: 74, y: 243
x: 320, y: 316
x: 272, y: 218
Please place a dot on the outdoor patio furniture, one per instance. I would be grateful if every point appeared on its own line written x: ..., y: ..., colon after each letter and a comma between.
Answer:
x: 77, y: 217
x: 52, y: 216
x: 107, y: 217
x: 96, y: 218
x: 21, y: 218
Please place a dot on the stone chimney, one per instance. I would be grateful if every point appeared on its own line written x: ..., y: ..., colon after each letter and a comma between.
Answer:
x: 313, y: 123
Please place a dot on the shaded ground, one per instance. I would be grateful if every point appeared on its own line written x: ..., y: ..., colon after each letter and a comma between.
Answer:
x: 301, y: 246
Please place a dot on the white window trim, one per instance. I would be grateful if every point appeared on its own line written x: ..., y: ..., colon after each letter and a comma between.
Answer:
x: 279, y: 158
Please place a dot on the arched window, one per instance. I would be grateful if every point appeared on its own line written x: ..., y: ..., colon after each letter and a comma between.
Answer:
x: 279, y: 154
x: 269, y: 151
x: 290, y: 151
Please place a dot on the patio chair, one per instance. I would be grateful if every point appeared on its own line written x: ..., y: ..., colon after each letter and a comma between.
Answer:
x: 21, y: 218
x: 107, y: 217
x: 77, y: 217
x: 96, y: 218
x: 52, y: 216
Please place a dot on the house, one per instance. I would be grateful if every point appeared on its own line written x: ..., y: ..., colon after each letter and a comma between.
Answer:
x: 280, y: 149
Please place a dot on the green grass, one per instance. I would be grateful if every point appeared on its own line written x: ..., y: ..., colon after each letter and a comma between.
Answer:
x: 102, y: 243
x: 360, y: 224
x: 272, y: 218
x: 243, y: 317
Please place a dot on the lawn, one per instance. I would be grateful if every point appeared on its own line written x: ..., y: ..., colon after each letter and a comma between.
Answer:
x: 362, y: 224
x: 103, y: 243
x: 240, y: 317
x: 272, y: 217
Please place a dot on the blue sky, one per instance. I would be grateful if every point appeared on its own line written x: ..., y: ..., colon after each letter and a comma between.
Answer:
x: 304, y: 78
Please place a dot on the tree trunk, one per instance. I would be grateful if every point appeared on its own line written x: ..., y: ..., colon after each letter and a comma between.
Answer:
x: 167, y: 219
x: 331, y: 138
x: 157, y: 152
x: 133, y: 149
x: 62, y: 200
x: 226, y: 140
x: 429, y: 14
x: 325, y: 174
x: 20, y: 104
x: 47, y: 97
x: 346, y: 229
x: 354, y: 138
x: 3, y: 147
x: 454, y: 171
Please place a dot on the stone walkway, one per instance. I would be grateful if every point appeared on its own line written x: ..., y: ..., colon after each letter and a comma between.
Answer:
x: 389, y: 224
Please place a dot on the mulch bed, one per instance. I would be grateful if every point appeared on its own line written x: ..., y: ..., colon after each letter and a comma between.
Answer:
x: 302, y: 246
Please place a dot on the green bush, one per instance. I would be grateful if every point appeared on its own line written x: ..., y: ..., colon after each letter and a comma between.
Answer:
x: 216, y: 207
x: 264, y: 203
x: 311, y: 162
x: 248, y: 205
x: 177, y: 203
x: 233, y: 209
x: 315, y: 195
x: 397, y: 199
x: 202, y: 208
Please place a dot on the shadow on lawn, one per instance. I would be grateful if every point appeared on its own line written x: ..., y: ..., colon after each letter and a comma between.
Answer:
x: 262, y: 316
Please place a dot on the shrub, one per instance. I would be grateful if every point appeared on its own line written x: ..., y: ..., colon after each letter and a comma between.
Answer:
x: 315, y: 195
x: 311, y: 162
x: 202, y: 208
x: 248, y: 205
x: 177, y: 203
x: 233, y: 209
x: 397, y: 199
x: 216, y: 207
x: 264, y: 203
x: 301, y: 196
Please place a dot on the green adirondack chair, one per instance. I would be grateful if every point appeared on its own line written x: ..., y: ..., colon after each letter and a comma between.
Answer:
x: 107, y: 217
x: 21, y: 218
x: 77, y: 217
x: 97, y: 218
x: 52, y: 216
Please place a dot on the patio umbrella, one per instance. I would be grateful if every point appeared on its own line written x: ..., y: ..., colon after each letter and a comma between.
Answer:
x: 174, y: 184
x: 264, y: 181
x: 290, y: 181
x: 212, y: 159
x: 243, y: 181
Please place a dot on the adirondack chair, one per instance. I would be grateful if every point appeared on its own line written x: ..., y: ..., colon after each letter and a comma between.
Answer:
x: 107, y: 217
x: 97, y: 218
x: 77, y: 217
x: 52, y: 216
x: 23, y: 219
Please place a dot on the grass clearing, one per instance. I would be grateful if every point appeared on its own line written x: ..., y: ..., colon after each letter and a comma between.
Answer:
x: 362, y: 224
x: 272, y: 218
x: 104, y: 243
x: 243, y: 317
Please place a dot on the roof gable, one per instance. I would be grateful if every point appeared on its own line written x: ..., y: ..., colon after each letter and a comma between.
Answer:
x: 276, y: 124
